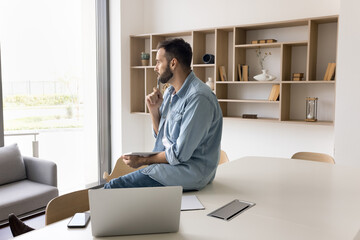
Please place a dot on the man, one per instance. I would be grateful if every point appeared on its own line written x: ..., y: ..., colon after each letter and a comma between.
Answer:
x: 187, y: 126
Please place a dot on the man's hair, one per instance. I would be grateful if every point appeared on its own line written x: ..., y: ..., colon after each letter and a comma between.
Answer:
x: 179, y: 49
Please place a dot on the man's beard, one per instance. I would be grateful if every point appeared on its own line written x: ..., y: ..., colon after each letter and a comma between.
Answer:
x: 166, y: 76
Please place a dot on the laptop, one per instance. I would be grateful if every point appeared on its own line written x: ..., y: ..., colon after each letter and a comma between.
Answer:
x: 128, y: 211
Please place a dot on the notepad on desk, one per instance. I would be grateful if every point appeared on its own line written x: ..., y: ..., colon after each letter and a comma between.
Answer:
x: 191, y: 202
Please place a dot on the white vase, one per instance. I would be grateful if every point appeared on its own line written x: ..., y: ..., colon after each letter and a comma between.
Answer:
x: 210, y: 83
x: 264, y: 76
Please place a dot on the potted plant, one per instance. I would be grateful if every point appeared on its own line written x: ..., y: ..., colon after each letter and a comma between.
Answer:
x: 145, y: 58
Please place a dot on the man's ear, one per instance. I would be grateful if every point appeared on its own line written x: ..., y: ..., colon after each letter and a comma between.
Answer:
x: 173, y: 63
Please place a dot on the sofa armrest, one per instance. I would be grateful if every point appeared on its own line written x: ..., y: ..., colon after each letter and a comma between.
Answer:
x: 41, y: 171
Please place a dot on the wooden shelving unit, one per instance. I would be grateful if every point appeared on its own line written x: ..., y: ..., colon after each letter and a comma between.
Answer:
x: 305, y: 45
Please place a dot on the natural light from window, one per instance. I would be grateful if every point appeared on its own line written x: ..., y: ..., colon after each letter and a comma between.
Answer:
x: 49, y: 84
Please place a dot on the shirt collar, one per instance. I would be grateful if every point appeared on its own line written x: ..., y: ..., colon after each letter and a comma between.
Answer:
x: 181, y: 93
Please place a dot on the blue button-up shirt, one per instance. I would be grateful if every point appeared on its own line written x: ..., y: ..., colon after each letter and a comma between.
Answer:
x: 190, y: 131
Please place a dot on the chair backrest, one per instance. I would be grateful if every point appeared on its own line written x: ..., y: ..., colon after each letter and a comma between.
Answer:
x: 223, y: 157
x: 66, y: 205
x: 121, y: 169
x: 312, y: 156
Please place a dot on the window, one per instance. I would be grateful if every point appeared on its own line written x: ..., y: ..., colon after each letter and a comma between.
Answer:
x: 50, y: 88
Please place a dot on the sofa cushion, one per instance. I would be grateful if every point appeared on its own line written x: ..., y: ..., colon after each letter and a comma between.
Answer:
x: 12, y: 167
x: 24, y: 196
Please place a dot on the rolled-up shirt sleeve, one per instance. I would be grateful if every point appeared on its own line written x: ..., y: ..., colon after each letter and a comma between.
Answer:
x: 194, y: 123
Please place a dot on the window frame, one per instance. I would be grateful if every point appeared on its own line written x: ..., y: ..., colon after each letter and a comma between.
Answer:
x: 103, y: 87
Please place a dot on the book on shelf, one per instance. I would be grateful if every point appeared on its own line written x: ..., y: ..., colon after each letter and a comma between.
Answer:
x: 240, y: 72
x: 264, y: 41
x: 277, y: 93
x: 330, y: 72
x: 271, y: 40
x: 245, y: 72
x: 222, y: 72
x: 274, y: 93
x: 299, y: 75
x: 251, y: 116
x: 327, y: 71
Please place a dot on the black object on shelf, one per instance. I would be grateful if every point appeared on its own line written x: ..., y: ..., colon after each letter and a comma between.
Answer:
x: 208, y: 58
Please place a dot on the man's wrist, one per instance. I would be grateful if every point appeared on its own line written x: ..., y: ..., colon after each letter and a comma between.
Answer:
x: 147, y: 161
x: 155, y: 112
x: 157, y: 158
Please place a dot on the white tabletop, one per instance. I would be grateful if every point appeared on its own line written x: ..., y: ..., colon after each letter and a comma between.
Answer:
x: 295, y: 199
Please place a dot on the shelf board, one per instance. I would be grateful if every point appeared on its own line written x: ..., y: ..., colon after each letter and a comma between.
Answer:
x: 276, y: 82
x: 248, y: 82
x: 206, y: 31
x: 142, y: 67
x: 174, y: 34
x: 272, y: 45
x: 260, y: 119
x: 204, y: 65
x: 275, y: 120
x: 301, y: 43
x: 280, y: 24
x: 324, y: 123
x: 141, y: 113
x: 309, y: 82
x: 145, y: 36
x: 225, y: 29
x: 329, y: 19
x: 246, y: 101
x: 264, y: 45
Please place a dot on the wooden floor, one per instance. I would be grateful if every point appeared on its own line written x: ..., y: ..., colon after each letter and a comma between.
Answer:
x: 36, y: 222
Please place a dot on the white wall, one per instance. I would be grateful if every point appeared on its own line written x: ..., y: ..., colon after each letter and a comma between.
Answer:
x: 115, y: 78
x: 347, y: 130
x: 240, y: 138
x: 126, y: 18
x: 173, y: 15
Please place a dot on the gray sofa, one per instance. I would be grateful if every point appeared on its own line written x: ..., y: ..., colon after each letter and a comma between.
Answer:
x: 27, y: 184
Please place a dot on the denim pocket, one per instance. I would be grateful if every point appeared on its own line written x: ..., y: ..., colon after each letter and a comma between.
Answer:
x: 174, y: 125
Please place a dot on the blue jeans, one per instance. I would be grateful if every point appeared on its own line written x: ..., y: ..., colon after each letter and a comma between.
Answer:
x: 132, y: 180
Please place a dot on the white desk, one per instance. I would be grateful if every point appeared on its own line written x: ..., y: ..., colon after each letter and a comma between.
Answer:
x: 295, y: 199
